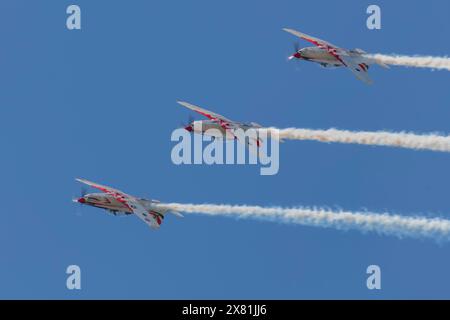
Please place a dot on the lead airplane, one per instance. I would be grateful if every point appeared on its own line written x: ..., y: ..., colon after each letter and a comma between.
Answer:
x: 152, y: 212
x: 328, y: 55
x: 222, y: 125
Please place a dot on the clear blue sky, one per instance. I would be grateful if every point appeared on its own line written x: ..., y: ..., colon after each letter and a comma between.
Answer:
x: 100, y: 104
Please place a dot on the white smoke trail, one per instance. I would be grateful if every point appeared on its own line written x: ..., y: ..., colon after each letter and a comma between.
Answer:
x: 431, y: 142
x: 383, y: 224
x: 412, y: 61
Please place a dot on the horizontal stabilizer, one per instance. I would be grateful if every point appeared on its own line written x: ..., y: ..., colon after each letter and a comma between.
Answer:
x: 176, y: 213
x: 383, y: 65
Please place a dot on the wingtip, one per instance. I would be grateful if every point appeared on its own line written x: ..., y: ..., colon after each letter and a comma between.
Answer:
x: 188, y: 105
x: 289, y: 30
x: 177, y: 214
x: 183, y: 103
x: 83, y: 181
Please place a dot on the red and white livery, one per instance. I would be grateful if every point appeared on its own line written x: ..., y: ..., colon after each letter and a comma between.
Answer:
x: 328, y: 55
x: 223, y: 128
x: 152, y: 212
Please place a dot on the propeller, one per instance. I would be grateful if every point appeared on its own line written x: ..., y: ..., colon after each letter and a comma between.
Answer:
x: 292, y: 56
x: 83, y: 192
x: 188, y: 123
x: 296, y: 49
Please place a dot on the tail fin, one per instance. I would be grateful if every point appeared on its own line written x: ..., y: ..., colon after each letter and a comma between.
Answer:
x: 382, y: 64
x: 177, y: 214
x: 256, y: 125
x: 370, y: 59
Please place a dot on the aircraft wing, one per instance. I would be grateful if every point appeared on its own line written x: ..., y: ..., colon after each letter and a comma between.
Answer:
x: 117, y: 194
x: 153, y: 219
x: 331, y: 48
x: 209, y: 114
x: 358, y: 69
x: 316, y: 41
x: 224, y: 122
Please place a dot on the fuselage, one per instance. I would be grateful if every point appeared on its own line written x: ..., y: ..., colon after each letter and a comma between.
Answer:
x: 216, y: 130
x: 319, y: 55
x: 327, y: 60
x: 108, y: 202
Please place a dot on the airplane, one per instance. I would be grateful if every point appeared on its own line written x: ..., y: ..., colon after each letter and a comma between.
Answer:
x: 220, y: 123
x: 330, y: 56
x: 117, y: 202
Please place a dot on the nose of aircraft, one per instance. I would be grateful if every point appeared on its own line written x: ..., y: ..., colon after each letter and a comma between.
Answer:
x: 81, y: 200
x: 295, y: 55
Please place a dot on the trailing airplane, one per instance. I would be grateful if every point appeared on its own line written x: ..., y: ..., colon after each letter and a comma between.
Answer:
x: 152, y: 212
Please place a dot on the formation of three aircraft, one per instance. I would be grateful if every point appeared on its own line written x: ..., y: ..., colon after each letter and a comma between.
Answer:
x: 152, y: 212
